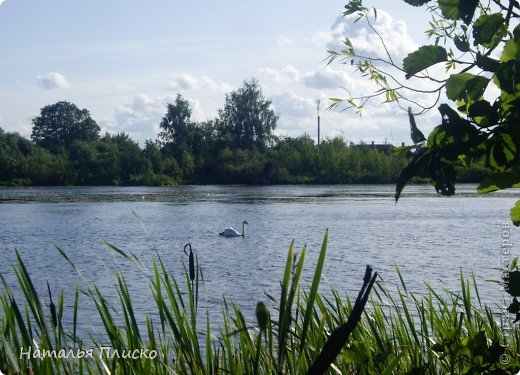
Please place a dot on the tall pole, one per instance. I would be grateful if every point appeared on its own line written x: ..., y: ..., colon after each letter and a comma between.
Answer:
x: 318, y: 111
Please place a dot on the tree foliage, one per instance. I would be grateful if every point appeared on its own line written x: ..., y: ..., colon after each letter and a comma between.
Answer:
x: 61, y: 124
x: 479, y: 44
x: 247, y: 119
x: 116, y: 159
x: 175, y: 125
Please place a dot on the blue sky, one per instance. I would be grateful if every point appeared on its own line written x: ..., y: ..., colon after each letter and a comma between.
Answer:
x: 125, y: 60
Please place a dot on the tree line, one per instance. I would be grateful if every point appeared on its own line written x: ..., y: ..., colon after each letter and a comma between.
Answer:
x: 237, y: 147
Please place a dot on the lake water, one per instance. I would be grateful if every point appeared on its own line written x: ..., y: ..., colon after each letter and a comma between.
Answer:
x: 430, y: 237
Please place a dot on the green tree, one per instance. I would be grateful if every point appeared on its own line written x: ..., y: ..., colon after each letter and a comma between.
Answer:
x: 170, y: 167
x: 13, y: 159
x: 204, y: 134
x: 24, y: 163
x: 294, y: 160
x: 247, y: 119
x: 479, y: 44
x: 46, y: 168
x: 187, y: 164
x: 83, y: 156
x: 62, y: 123
x: 155, y: 172
x: 175, y: 126
x: 130, y: 158
x: 107, y: 163
x: 153, y: 153
x: 333, y: 154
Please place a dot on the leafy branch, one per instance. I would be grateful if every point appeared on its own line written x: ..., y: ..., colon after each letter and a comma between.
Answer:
x: 479, y: 44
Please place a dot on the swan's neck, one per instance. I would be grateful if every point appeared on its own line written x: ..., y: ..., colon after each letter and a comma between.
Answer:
x: 243, y: 230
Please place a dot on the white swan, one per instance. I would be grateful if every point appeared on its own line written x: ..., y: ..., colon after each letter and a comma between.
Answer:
x: 232, y: 232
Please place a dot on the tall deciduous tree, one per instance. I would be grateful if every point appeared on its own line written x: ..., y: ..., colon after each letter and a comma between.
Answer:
x: 175, y: 126
x: 478, y: 42
x: 247, y: 119
x: 62, y: 123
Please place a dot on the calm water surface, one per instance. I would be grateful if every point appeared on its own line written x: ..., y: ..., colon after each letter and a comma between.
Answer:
x: 430, y: 237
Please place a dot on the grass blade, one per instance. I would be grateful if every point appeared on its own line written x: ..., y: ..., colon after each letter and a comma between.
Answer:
x: 313, y: 290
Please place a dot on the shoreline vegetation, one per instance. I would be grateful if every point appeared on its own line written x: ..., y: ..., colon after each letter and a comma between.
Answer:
x: 237, y: 147
x: 117, y: 160
x: 301, y: 330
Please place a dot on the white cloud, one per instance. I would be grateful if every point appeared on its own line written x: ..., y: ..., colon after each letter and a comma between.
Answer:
x: 186, y: 81
x: 298, y: 116
x: 211, y: 84
x: 366, y: 41
x: 322, y: 78
x: 197, y: 112
x: 288, y: 74
x: 326, y: 78
x: 289, y: 104
x: 284, y: 41
x: 51, y: 81
x: 322, y: 38
x: 1, y: 1
x: 141, y: 117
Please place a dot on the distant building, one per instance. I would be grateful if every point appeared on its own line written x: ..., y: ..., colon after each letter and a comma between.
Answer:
x: 386, y: 147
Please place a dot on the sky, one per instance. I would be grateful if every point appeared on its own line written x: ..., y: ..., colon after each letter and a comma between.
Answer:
x: 125, y: 61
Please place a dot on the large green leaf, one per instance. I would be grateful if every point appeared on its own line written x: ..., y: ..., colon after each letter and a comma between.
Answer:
x: 508, y: 76
x: 480, y: 108
x: 467, y: 9
x: 515, y: 214
x: 416, y: 3
x: 461, y: 42
x: 487, y: 63
x: 416, y: 135
x: 421, y: 158
x: 516, y: 32
x: 443, y: 174
x: 499, y: 181
x: 483, y: 113
x: 466, y: 85
x: 510, y: 150
x: 354, y: 6
x: 450, y: 8
x: 511, y: 51
x: 439, y: 137
x: 502, y: 151
x: 509, y: 103
x: 448, y: 113
x: 423, y: 58
x: 489, y: 29
x: 458, y: 9
x: 456, y: 137
x: 406, y: 175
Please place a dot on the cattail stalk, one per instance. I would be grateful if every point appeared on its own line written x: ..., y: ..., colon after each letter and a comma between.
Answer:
x: 54, y: 316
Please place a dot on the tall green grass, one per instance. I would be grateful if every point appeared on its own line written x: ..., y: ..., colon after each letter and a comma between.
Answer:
x: 302, y: 330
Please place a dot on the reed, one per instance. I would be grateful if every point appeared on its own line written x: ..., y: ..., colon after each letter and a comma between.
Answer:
x: 300, y: 331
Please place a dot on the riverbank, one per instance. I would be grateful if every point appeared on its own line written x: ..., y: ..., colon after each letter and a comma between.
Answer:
x: 117, y: 160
